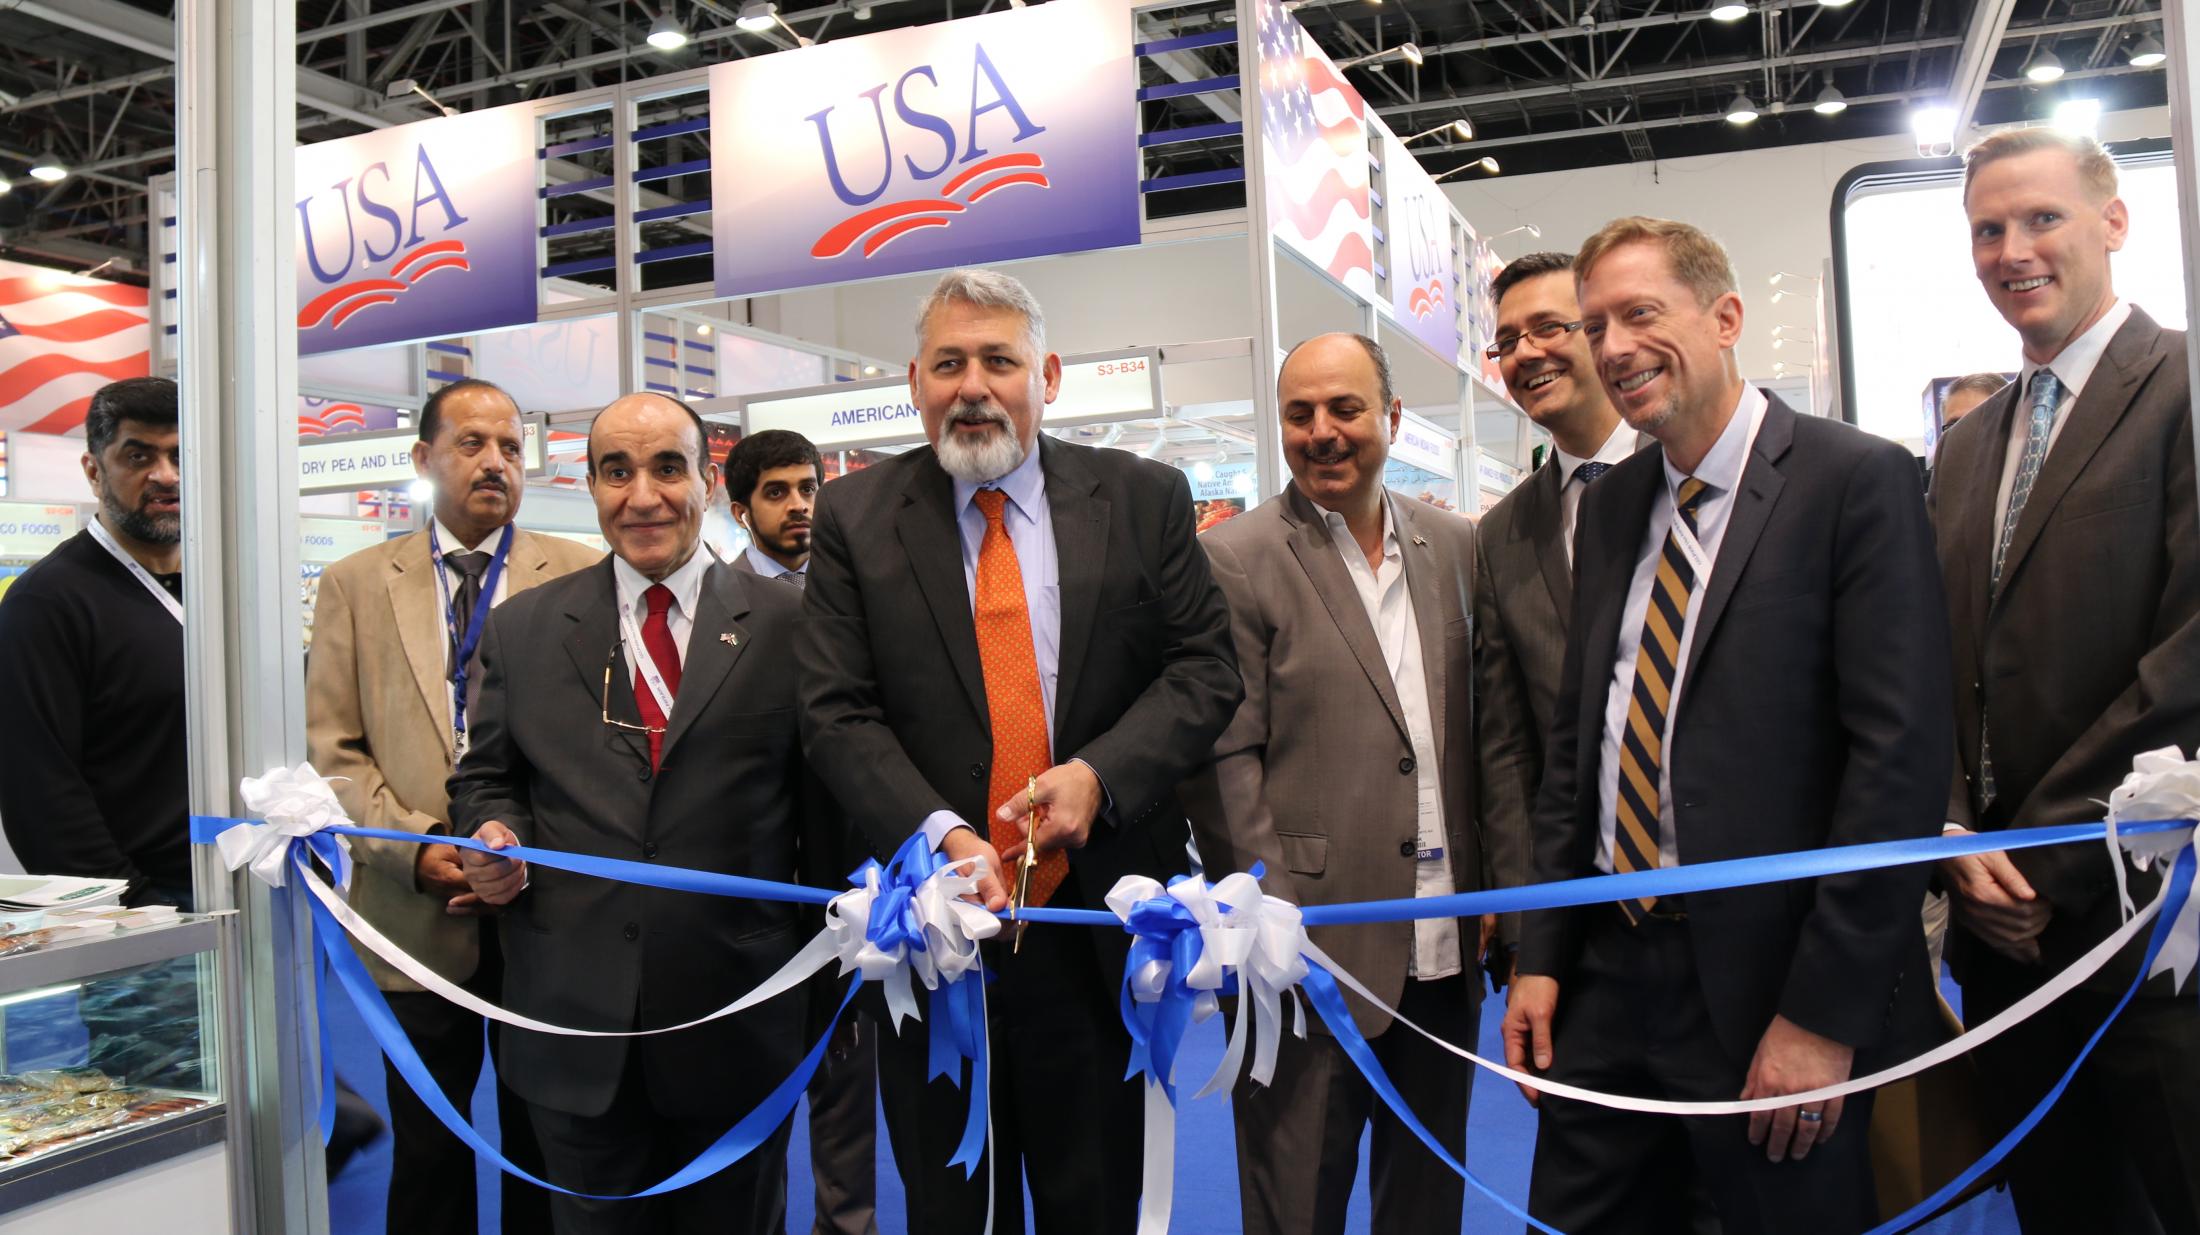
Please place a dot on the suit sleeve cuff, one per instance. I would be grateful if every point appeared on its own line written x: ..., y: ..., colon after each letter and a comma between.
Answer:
x: 1107, y: 800
x: 938, y: 824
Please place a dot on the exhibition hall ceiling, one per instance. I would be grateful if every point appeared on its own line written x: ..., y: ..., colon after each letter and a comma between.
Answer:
x: 1546, y: 85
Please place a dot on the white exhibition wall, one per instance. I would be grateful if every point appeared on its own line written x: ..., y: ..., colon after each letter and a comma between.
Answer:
x: 1772, y: 208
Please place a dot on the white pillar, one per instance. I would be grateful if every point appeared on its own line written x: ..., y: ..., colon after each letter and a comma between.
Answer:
x: 2182, y: 39
x: 1268, y: 469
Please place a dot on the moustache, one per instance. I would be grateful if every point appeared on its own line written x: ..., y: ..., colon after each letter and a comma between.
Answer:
x: 1333, y: 454
x: 976, y: 414
x: 159, y: 495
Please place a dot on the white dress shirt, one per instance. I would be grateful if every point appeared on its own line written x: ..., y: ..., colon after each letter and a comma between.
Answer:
x: 1389, y: 606
x: 1721, y: 471
x: 2073, y: 368
x: 1618, y: 444
x: 686, y: 586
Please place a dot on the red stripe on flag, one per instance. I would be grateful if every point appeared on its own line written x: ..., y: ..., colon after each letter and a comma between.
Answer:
x: 62, y: 419
x: 83, y: 327
x: 21, y: 290
x: 28, y: 376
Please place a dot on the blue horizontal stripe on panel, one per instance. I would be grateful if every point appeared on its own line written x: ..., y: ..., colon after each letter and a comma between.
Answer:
x: 1380, y: 271
x: 700, y: 394
x: 1189, y: 133
x: 660, y: 361
x: 1213, y: 38
x: 168, y: 220
x: 445, y: 375
x: 574, y: 227
x: 1192, y: 180
x: 168, y: 294
x: 1380, y: 238
x: 577, y: 146
x: 577, y: 186
x: 704, y: 369
x: 169, y: 258
x: 654, y: 337
x: 1374, y: 160
x: 582, y: 265
x: 674, y: 211
x: 702, y: 347
x: 1177, y: 89
x: 1374, y: 198
x: 672, y: 129
x: 670, y: 390
x: 671, y: 252
x: 168, y: 329
x: 455, y: 349
x: 668, y: 171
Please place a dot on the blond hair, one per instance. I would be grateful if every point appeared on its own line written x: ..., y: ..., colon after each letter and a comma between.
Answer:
x: 2096, y: 171
x: 1697, y: 260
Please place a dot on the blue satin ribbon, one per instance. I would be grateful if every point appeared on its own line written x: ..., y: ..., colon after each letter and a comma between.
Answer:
x: 957, y: 1032
x: 1163, y: 931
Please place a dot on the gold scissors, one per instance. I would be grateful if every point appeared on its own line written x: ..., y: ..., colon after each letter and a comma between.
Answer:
x: 1025, y: 865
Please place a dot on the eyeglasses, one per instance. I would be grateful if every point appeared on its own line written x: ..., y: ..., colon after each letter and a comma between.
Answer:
x: 616, y: 647
x: 1544, y: 335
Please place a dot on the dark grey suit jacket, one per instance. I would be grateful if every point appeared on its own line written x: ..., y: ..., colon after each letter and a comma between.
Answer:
x: 2090, y: 655
x: 1315, y: 777
x: 729, y: 796
x: 1812, y: 714
x: 1523, y: 593
x: 893, y: 703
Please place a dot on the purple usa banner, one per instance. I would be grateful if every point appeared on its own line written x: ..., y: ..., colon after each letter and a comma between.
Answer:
x: 417, y: 232
x: 1423, y: 292
x: 1010, y: 135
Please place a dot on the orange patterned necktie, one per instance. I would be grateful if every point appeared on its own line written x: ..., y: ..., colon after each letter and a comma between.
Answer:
x: 1013, y: 700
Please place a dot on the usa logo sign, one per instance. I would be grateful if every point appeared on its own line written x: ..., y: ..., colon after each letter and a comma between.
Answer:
x: 992, y: 138
x: 1423, y: 296
x: 416, y: 232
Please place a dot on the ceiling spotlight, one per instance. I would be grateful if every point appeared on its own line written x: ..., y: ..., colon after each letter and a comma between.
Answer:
x: 703, y: 329
x: 1488, y: 164
x: 1411, y: 52
x: 666, y: 33
x: 1457, y: 128
x: 2079, y: 116
x: 5, y: 185
x: 870, y: 370
x: 1741, y: 110
x: 1935, y: 130
x: 1374, y: 60
x: 1529, y: 228
x: 1774, y: 281
x: 2044, y: 67
x: 757, y: 16
x: 1831, y: 102
x: 1833, y: 4
x: 2147, y: 52
x: 49, y: 168
x: 1728, y: 10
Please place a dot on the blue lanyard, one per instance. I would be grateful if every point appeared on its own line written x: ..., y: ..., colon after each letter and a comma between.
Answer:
x: 462, y: 652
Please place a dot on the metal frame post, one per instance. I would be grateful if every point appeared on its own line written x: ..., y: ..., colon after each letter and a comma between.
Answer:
x: 1268, y: 469
x: 2181, y: 37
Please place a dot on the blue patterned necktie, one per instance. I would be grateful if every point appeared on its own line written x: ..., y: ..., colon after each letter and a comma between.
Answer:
x: 1589, y: 471
x: 2045, y: 393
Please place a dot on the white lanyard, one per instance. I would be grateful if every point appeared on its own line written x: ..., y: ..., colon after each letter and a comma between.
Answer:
x: 646, y: 664
x: 166, y: 598
x: 1691, y: 548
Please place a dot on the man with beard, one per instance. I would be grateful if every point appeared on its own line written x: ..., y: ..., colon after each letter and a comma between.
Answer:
x: 390, y: 684
x: 91, y: 663
x: 1000, y: 616
x: 1349, y: 774
x: 772, y: 479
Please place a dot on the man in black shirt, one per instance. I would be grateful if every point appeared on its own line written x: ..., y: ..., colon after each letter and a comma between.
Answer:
x: 91, y: 661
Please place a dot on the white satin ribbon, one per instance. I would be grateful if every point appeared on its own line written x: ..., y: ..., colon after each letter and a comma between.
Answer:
x: 295, y: 802
x: 2163, y: 784
x: 952, y: 928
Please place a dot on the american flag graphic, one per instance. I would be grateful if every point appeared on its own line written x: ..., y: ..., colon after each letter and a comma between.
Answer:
x: 63, y: 336
x: 1314, y: 127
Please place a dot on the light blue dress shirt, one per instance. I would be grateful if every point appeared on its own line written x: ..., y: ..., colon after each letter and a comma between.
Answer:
x: 768, y: 566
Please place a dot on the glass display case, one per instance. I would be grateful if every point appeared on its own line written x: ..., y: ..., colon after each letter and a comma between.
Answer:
x: 109, y: 1042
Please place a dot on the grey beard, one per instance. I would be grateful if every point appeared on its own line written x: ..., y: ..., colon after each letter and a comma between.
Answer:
x: 142, y: 527
x: 975, y: 463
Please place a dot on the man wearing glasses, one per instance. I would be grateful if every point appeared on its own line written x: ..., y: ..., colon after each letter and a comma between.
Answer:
x: 1524, y: 559
x: 643, y: 709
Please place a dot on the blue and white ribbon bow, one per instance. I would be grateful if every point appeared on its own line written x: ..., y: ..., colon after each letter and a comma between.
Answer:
x: 298, y: 805
x: 2163, y: 784
x: 1192, y: 943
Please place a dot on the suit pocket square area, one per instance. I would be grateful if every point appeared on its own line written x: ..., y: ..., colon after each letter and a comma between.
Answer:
x: 1304, y: 853
x: 2083, y: 504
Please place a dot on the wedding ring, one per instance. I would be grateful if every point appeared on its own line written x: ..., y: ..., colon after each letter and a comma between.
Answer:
x: 1811, y: 1116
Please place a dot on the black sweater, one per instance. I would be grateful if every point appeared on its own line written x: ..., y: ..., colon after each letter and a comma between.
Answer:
x: 93, y: 779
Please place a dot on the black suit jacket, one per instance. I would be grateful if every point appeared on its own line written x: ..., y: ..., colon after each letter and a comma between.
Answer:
x: 729, y: 796
x: 2090, y: 654
x: 1811, y: 714
x: 893, y: 703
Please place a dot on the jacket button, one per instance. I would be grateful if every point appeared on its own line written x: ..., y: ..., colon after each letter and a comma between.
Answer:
x: 633, y: 932
x: 1407, y: 849
x: 642, y: 775
x: 977, y: 771
x: 649, y: 849
x: 1406, y: 765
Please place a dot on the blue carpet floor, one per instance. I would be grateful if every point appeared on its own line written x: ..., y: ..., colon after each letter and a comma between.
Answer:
x: 1500, y: 1140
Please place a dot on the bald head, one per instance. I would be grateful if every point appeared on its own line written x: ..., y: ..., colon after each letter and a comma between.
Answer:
x: 650, y: 473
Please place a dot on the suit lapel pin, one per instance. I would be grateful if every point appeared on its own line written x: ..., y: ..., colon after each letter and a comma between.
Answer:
x: 730, y: 639
x: 1420, y: 540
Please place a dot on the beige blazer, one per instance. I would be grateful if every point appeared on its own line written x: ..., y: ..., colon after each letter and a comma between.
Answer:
x: 1315, y: 777
x: 378, y: 715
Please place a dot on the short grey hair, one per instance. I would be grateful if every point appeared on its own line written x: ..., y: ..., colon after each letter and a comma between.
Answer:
x: 987, y: 289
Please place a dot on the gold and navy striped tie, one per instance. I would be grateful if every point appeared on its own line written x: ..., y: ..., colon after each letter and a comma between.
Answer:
x: 1635, y: 809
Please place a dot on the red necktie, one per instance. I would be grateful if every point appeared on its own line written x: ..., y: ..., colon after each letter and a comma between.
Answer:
x: 1013, y: 700
x: 657, y: 637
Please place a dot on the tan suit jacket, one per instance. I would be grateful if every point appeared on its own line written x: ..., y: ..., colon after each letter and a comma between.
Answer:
x: 378, y: 715
x: 1315, y: 775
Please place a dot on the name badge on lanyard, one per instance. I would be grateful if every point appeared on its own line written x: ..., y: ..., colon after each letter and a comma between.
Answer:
x: 1692, y: 549
x: 166, y: 598
x: 462, y: 650
x: 646, y: 665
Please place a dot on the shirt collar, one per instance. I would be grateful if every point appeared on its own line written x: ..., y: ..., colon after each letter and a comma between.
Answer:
x: 2073, y: 365
x: 1618, y: 444
x: 450, y: 542
x: 1722, y: 466
x: 1341, y: 532
x: 1025, y: 485
x: 686, y: 583
x: 768, y: 566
